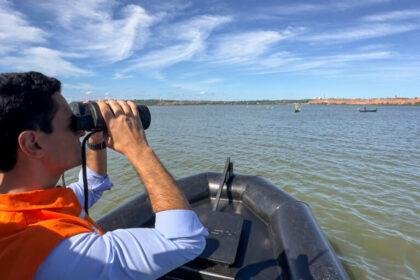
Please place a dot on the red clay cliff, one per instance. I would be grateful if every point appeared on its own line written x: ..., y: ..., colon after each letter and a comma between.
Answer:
x: 373, y: 101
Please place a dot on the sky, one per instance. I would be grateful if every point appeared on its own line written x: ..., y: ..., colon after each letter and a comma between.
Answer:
x: 216, y: 50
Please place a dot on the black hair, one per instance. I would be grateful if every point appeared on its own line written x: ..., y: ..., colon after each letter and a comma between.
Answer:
x: 26, y: 103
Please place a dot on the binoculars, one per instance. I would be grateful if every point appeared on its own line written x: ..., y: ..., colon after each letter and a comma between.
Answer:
x: 88, y: 117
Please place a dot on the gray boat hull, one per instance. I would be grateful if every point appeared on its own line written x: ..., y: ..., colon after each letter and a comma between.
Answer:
x: 280, y: 238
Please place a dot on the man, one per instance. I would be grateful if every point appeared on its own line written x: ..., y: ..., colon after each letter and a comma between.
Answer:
x: 44, y: 233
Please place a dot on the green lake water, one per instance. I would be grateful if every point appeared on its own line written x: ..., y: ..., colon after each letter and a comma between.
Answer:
x: 359, y: 172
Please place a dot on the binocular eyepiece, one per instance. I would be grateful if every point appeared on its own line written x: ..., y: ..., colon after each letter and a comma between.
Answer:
x: 88, y: 117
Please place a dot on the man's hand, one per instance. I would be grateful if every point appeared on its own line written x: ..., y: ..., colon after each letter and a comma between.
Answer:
x: 125, y: 131
x: 126, y: 135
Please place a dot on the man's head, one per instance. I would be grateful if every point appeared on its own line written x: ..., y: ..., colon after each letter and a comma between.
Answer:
x: 34, y: 115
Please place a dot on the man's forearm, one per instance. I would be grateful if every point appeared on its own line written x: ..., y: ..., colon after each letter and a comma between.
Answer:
x: 161, y: 187
x: 96, y: 161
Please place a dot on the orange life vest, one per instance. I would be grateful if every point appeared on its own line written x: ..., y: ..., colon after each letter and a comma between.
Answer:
x: 32, y: 224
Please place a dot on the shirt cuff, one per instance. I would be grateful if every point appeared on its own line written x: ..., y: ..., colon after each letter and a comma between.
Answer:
x: 96, y: 181
x: 179, y: 223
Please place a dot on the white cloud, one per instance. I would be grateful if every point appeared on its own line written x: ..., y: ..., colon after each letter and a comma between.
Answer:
x: 275, y: 60
x: 169, y: 56
x: 248, y: 47
x: 213, y: 81
x: 118, y: 76
x: 324, y: 63
x: 374, y: 47
x: 156, y: 75
x: 76, y: 13
x: 15, y: 30
x: 358, y: 56
x: 255, y: 50
x: 243, y: 47
x: 360, y: 33
x: 45, y: 60
x: 98, y: 28
x: 78, y: 86
x: 293, y: 9
x: 202, y: 92
x: 350, y: 4
x: 21, y: 46
x: 389, y: 71
x: 395, y: 15
x: 190, y: 38
x: 285, y: 10
x: 193, y: 87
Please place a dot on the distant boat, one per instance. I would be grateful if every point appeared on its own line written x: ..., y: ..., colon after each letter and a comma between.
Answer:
x: 297, y: 108
x: 365, y: 110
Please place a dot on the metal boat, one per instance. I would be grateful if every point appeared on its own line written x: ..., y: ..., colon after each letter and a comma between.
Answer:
x: 365, y: 110
x: 257, y: 230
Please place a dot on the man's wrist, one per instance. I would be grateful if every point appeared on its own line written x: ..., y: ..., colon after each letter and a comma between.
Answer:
x: 96, y: 147
x: 139, y: 152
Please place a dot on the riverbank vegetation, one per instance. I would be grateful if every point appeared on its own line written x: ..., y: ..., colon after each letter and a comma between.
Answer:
x: 159, y: 102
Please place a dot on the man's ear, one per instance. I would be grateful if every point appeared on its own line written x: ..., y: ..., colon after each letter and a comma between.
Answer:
x: 28, y: 144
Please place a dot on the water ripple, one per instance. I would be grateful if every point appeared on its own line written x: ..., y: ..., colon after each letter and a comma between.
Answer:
x: 359, y: 173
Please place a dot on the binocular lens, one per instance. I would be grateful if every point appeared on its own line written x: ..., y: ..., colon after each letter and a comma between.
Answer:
x: 88, y: 117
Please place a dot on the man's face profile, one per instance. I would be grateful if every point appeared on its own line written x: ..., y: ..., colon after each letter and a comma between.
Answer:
x: 62, y: 146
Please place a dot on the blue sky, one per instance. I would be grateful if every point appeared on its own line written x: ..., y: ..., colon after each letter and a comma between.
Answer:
x: 216, y: 50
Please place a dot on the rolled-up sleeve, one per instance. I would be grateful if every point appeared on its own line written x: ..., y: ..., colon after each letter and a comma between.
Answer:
x: 136, y: 253
x: 97, y: 184
x: 178, y: 223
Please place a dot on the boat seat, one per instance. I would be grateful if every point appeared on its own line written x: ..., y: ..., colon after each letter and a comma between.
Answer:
x: 224, y: 235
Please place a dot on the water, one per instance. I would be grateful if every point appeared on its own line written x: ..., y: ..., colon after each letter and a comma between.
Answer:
x: 359, y: 172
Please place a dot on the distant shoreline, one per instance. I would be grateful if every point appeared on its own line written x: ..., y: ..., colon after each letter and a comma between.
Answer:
x: 154, y: 102
x: 373, y: 101
x: 331, y: 101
